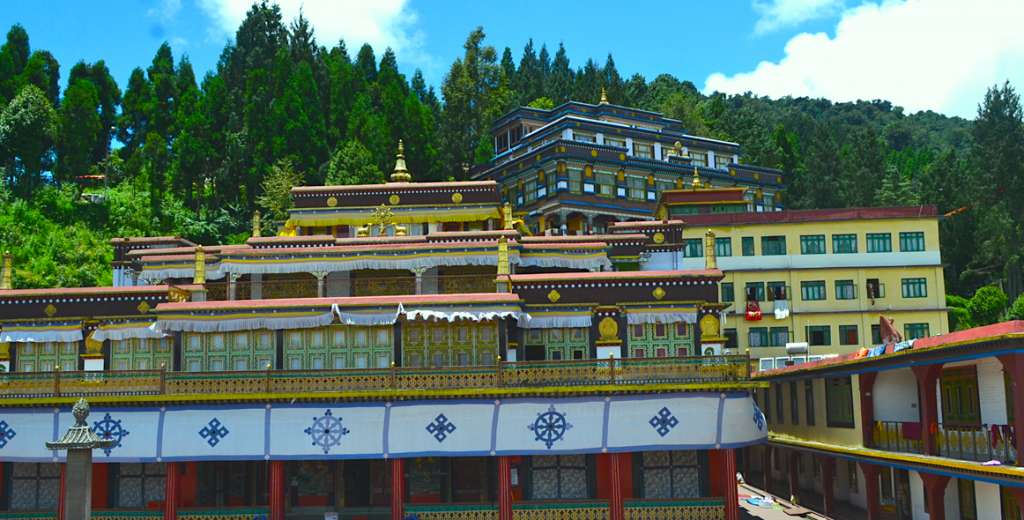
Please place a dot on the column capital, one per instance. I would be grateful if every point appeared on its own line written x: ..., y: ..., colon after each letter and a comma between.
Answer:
x: 319, y: 275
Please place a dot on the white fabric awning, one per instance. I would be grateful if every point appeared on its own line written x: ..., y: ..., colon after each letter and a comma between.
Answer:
x: 590, y: 261
x: 244, y: 321
x: 375, y: 316
x: 41, y: 333
x: 640, y: 317
x: 123, y: 331
x: 554, y: 320
x: 461, y: 312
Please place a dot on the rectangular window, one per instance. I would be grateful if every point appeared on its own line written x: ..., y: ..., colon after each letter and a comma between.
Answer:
x: 914, y: 287
x: 819, y: 335
x: 846, y: 290
x: 876, y: 334
x: 581, y: 137
x: 848, y: 335
x: 723, y: 246
x: 809, y: 400
x: 777, y: 291
x: 692, y: 248
x: 722, y: 162
x: 698, y: 158
x: 813, y: 290
x: 844, y: 244
x: 757, y: 337
x: 766, y: 364
x: 839, y: 402
x: 911, y: 241
x: 812, y: 244
x: 778, y: 336
x: 748, y: 246
x: 755, y: 291
x: 875, y: 288
x: 794, y: 403
x: 773, y: 246
x: 643, y: 150
x: 728, y: 292
x: 731, y: 338
x: 879, y: 242
x: 915, y: 330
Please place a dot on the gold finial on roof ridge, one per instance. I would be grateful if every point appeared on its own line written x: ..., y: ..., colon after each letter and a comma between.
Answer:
x: 401, y: 173
x: 604, y: 96
x: 7, y: 276
x: 696, y: 183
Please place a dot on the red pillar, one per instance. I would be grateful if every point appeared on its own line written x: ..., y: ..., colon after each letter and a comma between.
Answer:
x: 276, y: 483
x: 171, y: 491
x: 935, y: 495
x: 867, y: 407
x: 732, y: 497
x: 828, y: 469
x: 1018, y: 494
x: 927, y: 376
x: 1013, y: 365
x: 397, y: 489
x: 871, y: 490
x: 504, y: 488
x: 60, y: 498
x: 616, y: 505
x: 793, y: 466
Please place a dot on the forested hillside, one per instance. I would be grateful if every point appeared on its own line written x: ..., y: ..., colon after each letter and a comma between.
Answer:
x: 170, y: 153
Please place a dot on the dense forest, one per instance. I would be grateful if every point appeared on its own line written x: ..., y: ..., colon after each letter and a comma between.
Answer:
x: 170, y: 153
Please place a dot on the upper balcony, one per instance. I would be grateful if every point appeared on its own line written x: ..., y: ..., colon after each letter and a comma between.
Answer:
x: 502, y: 378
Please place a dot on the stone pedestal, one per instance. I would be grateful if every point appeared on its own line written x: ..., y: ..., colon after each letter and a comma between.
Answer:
x: 78, y: 485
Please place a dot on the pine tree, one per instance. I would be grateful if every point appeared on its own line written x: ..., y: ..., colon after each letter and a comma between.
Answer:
x: 612, y: 83
x: 560, y: 80
x: 352, y: 163
x: 79, y: 130
x: 43, y: 71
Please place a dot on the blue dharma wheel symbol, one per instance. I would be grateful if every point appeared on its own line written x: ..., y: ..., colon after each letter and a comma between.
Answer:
x: 326, y: 431
x: 550, y: 427
x: 109, y: 429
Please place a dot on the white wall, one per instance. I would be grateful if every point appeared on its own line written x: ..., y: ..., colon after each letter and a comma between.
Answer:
x: 951, y: 500
x: 988, y: 500
x: 895, y: 396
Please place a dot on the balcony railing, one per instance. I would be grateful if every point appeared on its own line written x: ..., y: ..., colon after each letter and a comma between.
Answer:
x: 980, y: 443
x: 523, y: 374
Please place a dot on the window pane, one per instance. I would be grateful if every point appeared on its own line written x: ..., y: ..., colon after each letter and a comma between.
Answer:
x: 914, y: 287
x: 845, y: 243
x: 812, y: 244
x: 728, y: 293
x: 912, y: 241
x: 812, y: 291
x: 845, y: 290
x: 723, y: 246
x: 748, y: 246
x: 774, y: 245
x: 879, y: 242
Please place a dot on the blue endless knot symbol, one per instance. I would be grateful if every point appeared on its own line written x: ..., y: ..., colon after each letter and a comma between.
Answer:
x: 214, y: 432
x: 326, y: 431
x: 6, y: 433
x: 441, y: 428
x: 758, y: 418
x: 663, y: 421
x: 550, y: 427
x: 109, y: 429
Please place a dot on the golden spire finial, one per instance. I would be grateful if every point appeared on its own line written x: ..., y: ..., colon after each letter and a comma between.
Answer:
x: 401, y: 173
x: 710, y: 258
x: 199, y: 273
x: 256, y: 224
x: 604, y: 96
x: 6, y: 278
x: 503, y: 263
x: 695, y: 183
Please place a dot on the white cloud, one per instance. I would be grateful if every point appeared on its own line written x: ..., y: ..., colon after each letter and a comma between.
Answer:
x: 165, y: 11
x: 779, y: 14
x: 936, y: 55
x: 381, y: 23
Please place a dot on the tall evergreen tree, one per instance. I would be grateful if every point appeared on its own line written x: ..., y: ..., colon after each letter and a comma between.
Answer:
x: 28, y: 128
x: 560, y: 80
x: 79, y: 130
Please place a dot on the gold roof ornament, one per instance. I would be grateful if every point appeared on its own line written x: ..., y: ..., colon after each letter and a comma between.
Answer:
x: 710, y: 255
x: 504, y: 266
x: 401, y: 173
x: 256, y: 224
x: 199, y: 273
x: 604, y: 96
x: 6, y: 278
x: 696, y: 183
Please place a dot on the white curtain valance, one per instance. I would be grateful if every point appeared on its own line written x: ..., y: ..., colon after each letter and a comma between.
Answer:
x: 67, y: 333
x: 590, y: 262
x: 555, y: 321
x: 354, y: 263
x: 127, y: 331
x: 235, y: 323
x: 156, y: 275
x: 385, y: 316
x: 453, y: 313
x: 639, y: 317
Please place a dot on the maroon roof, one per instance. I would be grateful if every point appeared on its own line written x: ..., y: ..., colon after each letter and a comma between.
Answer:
x: 617, y: 275
x: 709, y: 195
x: 810, y: 215
x: 86, y: 291
x: 972, y: 335
x: 647, y: 224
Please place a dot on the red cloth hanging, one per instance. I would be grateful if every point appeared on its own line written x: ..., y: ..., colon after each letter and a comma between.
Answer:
x: 753, y: 311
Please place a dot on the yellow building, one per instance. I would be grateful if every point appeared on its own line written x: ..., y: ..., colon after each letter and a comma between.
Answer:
x: 814, y: 278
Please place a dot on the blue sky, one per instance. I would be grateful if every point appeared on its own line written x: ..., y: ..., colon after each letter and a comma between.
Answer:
x: 926, y: 55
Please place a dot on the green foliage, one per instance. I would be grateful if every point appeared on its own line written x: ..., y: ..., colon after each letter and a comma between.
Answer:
x: 352, y: 163
x: 28, y: 127
x: 1016, y: 310
x: 987, y: 305
x: 277, y: 185
x: 959, y: 316
x: 543, y: 103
